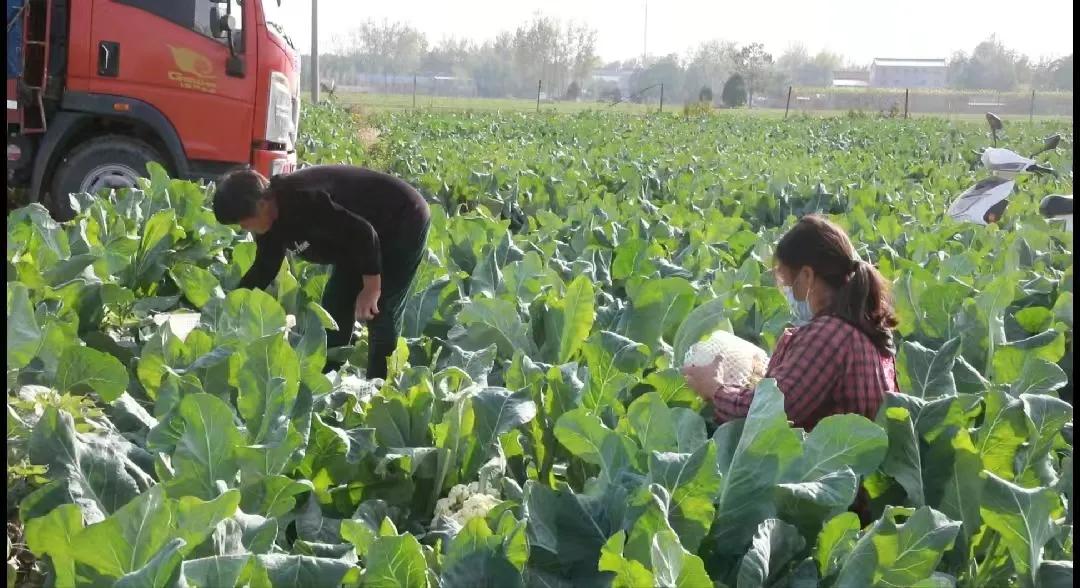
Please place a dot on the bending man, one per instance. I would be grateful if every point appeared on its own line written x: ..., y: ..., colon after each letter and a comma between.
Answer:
x: 371, y: 227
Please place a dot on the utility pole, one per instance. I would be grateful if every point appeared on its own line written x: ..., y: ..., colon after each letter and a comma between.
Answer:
x: 315, y: 51
x: 645, y: 38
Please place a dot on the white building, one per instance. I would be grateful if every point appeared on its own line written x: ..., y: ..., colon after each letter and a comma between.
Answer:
x: 851, y: 78
x: 618, y: 77
x: 908, y: 73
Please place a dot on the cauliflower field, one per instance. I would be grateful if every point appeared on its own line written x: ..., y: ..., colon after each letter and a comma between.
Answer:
x: 535, y: 429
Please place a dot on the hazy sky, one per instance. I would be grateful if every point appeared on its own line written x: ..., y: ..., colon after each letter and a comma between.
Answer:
x: 858, y: 29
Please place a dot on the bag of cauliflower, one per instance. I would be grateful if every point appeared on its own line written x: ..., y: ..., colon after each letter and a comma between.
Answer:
x: 742, y: 363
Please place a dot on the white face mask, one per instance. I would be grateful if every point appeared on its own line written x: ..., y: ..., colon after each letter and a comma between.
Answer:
x: 800, y: 309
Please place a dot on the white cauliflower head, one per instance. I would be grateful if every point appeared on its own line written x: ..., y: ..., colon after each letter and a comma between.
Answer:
x: 741, y: 362
x: 466, y: 502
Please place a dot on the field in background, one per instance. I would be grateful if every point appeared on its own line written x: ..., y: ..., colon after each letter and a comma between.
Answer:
x: 375, y: 102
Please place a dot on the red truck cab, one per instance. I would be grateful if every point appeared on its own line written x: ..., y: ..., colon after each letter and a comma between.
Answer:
x: 102, y: 87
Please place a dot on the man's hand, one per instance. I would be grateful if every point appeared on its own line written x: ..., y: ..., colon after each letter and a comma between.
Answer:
x: 704, y: 379
x: 367, y: 304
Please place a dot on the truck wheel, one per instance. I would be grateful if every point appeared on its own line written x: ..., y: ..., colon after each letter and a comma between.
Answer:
x: 99, y: 164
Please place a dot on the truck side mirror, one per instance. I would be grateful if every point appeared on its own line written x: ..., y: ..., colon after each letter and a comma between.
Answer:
x: 221, y: 25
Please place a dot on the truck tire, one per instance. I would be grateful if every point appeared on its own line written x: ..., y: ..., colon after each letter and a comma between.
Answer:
x: 112, y: 161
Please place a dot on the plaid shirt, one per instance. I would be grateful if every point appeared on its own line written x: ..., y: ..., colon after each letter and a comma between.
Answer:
x: 823, y: 368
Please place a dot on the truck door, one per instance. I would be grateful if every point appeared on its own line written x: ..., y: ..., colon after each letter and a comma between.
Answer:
x: 164, y: 53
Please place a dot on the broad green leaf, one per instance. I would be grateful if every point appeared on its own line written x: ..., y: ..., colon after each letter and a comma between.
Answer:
x: 773, y: 547
x: 649, y: 420
x: 927, y: 373
x: 396, y: 562
x: 1023, y: 519
x: 629, y: 573
x: 613, y: 362
x: 835, y: 542
x: 125, y: 542
x: 197, y: 284
x: 94, y: 470
x: 657, y: 309
x: 268, y: 383
x: 567, y: 530
x: 307, y: 571
x: 574, y: 315
x: 673, y: 566
x: 23, y: 333
x: 1003, y: 433
x: 162, y: 571
x: 693, y: 482
x: 765, y: 448
x: 583, y: 435
x: 963, y: 489
x: 843, y: 440
x: 899, y: 554
x: 82, y: 369
x: 221, y: 571
x: 1039, y: 376
x: 206, y: 450
x: 475, y: 557
x: 903, y: 461
x: 486, y: 321
x: 1046, y: 417
x: 54, y: 535
x: 1035, y: 319
x: 244, y: 316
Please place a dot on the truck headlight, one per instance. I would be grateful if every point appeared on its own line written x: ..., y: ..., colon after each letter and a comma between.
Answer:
x: 280, y: 122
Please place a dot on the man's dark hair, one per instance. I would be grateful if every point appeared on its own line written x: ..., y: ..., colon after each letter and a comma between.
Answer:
x: 237, y: 194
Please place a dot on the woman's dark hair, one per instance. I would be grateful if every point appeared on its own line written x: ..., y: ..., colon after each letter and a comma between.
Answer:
x: 237, y: 194
x: 860, y: 294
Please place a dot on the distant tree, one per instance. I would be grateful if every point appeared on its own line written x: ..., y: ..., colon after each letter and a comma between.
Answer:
x: 991, y: 66
x: 734, y: 92
x: 666, y: 70
x: 710, y: 64
x: 705, y: 95
x: 573, y: 91
x: 755, y: 65
x: 1054, y: 74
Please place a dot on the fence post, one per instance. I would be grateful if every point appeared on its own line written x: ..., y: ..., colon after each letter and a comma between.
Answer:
x: 414, y: 92
x: 661, y: 98
x: 539, y: 88
x: 788, y: 105
x: 907, y: 94
x: 1031, y: 115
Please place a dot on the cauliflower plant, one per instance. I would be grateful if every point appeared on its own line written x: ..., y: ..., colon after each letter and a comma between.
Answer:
x: 741, y: 362
x: 466, y: 502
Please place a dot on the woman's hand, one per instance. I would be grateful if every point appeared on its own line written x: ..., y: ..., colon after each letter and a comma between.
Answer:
x: 367, y: 304
x: 704, y: 379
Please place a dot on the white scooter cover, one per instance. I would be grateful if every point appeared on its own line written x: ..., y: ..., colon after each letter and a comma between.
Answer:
x: 1004, y: 162
x: 972, y: 205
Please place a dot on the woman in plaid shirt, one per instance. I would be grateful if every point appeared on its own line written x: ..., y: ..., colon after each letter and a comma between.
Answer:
x: 839, y: 357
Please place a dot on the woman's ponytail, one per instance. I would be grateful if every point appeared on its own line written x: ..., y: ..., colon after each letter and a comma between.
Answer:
x: 863, y: 300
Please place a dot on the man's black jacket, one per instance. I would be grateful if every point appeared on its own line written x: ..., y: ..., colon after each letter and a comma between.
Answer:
x: 338, y: 215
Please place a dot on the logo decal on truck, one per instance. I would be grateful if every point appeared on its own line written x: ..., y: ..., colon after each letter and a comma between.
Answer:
x: 196, y: 72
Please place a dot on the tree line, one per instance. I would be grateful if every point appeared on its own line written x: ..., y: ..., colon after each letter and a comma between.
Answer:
x: 562, y: 55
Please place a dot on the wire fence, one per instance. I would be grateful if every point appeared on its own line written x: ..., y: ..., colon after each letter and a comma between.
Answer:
x: 447, y: 93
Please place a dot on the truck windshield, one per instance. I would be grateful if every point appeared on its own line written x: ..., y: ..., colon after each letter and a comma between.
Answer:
x: 276, y: 17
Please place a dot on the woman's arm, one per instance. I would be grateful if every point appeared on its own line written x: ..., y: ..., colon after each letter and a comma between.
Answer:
x: 805, y: 368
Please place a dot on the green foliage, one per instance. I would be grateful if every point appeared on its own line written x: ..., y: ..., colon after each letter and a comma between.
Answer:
x: 566, y: 272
